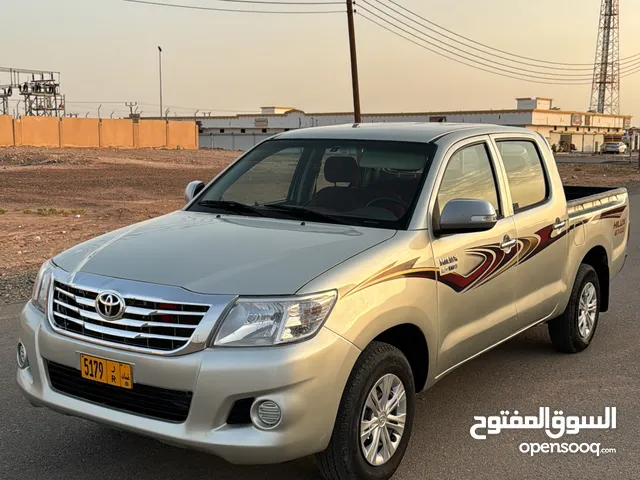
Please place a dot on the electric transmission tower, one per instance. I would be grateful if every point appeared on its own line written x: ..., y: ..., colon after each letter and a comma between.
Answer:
x: 605, y: 92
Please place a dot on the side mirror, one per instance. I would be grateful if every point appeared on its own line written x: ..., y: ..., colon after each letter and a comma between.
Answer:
x: 193, y: 188
x: 467, y: 215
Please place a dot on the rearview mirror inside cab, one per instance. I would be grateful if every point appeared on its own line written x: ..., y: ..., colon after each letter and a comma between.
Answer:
x: 467, y: 215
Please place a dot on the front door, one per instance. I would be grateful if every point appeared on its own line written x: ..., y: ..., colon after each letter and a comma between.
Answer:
x: 477, y: 270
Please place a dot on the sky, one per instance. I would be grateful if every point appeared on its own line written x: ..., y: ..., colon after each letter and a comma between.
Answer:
x: 106, y: 51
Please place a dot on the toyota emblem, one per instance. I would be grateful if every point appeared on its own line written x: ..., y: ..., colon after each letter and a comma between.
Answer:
x: 110, y: 305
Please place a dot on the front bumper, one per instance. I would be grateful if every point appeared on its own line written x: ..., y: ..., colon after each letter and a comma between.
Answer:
x: 305, y: 379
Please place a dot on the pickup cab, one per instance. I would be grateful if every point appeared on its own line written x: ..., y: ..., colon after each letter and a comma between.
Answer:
x: 302, y: 298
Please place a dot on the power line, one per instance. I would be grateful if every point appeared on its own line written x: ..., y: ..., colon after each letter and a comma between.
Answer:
x: 560, y: 81
x: 590, y: 65
x: 493, y: 62
x: 216, y: 9
x: 629, y: 68
x: 630, y: 73
x: 457, y: 60
x: 483, y: 51
x: 527, y: 79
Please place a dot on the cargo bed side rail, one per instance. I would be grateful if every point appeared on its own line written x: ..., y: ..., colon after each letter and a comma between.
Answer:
x: 586, y: 205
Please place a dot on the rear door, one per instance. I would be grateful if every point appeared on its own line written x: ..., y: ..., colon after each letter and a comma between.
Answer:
x: 540, y: 213
x: 477, y: 274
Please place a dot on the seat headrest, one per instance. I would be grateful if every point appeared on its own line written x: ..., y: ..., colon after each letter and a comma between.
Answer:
x: 341, y: 169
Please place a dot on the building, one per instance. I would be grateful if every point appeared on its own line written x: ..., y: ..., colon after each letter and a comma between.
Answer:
x: 586, y: 131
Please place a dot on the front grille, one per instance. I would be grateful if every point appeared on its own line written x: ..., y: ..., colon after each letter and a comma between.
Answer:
x: 153, y: 402
x: 145, y: 324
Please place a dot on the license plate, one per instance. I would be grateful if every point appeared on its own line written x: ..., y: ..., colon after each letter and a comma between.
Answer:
x: 106, y: 371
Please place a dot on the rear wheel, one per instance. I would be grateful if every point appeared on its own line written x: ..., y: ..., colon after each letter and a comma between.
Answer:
x: 573, y: 331
x: 374, y: 420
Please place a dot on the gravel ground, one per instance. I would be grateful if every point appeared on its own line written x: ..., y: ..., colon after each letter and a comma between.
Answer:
x: 16, y: 288
x: 31, y: 156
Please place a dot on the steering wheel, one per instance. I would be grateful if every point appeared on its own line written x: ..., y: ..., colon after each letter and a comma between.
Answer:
x: 389, y: 199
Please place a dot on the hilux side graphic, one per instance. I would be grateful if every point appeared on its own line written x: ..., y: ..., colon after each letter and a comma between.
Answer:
x: 495, y: 260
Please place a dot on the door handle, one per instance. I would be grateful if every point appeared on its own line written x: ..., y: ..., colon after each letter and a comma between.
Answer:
x: 508, y: 243
x: 560, y: 224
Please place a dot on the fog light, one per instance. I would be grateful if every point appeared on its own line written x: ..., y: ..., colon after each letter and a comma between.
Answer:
x: 268, y: 414
x: 23, y: 360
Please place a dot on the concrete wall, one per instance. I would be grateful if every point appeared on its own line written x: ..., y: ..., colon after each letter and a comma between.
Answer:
x: 79, y: 132
x: 17, y: 132
x: 6, y: 131
x: 182, y: 135
x: 40, y: 131
x: 152, y: 134
x: 236, y: 141
x: 116, y: 133
x: 296, y: 119
x: 93, y: 132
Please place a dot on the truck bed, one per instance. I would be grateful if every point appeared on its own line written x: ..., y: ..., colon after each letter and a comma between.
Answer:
x: 584, y: 199
x: 598, y: 219
x: 581, y: 192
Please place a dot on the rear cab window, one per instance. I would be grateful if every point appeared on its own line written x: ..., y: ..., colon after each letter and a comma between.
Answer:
x: 526, y: 176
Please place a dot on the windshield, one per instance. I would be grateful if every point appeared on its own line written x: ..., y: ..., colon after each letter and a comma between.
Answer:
x: 367, y: 183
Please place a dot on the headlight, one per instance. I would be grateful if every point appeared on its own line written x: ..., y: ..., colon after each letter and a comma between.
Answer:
x: 40, y: 293
x: 256, y: 322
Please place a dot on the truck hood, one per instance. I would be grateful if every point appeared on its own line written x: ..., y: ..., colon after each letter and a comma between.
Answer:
x: 231, y: 255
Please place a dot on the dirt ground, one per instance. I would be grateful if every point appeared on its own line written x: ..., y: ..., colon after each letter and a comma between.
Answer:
x: 52, y: 199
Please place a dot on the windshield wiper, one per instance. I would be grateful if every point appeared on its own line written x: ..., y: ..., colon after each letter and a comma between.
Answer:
x: 304, y: 213
x: 231, y: 206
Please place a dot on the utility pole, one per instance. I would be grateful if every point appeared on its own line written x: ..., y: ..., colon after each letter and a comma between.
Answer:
x: 354, y: 63
x: 131, y: 105
x: 160, y: 72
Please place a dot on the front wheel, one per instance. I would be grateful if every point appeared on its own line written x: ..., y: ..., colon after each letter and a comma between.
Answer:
x: 374, y: 421
x: 573, y: 331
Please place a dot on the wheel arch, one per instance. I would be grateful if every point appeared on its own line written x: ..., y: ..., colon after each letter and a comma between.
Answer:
x: 412, y: 342
x: 598, y: 259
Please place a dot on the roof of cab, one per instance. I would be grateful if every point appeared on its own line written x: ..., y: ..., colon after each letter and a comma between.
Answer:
x: 421, y: 132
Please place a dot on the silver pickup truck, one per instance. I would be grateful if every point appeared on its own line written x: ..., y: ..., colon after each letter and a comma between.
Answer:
x: 301, y: 299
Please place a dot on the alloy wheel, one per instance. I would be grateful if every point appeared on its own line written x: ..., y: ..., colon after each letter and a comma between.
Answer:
x: 383, y: 420
x: 587, y: 310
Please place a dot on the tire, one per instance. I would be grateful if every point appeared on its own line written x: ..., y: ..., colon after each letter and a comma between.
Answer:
x: 344, y: 458
x: 568, y: 333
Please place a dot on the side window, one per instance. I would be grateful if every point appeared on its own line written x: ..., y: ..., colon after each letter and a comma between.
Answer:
x: 276, y: 171
x: 469, y: 174
x: 527, y: 181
